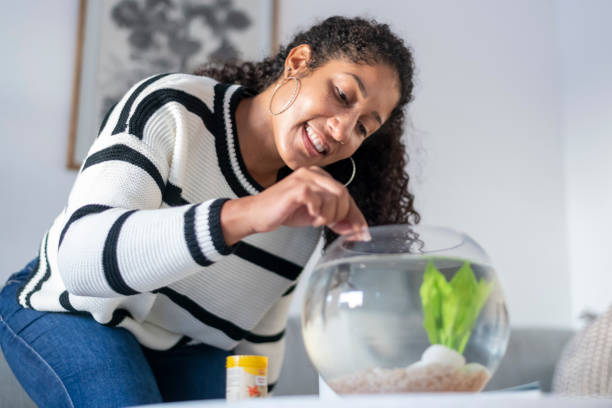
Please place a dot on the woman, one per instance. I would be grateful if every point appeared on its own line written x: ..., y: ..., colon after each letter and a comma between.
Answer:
x: 180, y: 243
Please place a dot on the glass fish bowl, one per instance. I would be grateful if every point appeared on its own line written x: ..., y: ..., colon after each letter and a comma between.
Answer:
x: 414, y: 309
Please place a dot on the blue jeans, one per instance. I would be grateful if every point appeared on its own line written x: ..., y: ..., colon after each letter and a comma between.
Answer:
x: 70, y: 360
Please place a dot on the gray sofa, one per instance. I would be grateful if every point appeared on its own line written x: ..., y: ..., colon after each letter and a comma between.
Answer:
x: 531, y: 356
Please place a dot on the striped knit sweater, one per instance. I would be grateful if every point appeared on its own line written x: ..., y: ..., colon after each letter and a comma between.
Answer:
x: 139, y: 244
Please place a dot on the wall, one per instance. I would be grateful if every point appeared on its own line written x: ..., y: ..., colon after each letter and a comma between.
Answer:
x: 37, y: 47
x: 486, y: 139
x: 585, y: 44
x: 485, y: 142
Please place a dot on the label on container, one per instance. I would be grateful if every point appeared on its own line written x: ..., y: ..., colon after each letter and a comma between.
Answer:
x: 246, y: 382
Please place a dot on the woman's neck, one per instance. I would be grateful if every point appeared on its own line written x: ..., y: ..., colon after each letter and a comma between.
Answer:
x: 256, y: 139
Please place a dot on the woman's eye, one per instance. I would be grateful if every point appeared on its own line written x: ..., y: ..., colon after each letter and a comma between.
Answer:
x: 342, y: 95
x: 362, y: 129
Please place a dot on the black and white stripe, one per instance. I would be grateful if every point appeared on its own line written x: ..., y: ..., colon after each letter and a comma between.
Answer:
x: 216, y: 233
x: 109, y: 258
x: 121, y: 152
x: 105, y: 119
x: 173, y: 195
x: 289, y: 290
x: 269, y: 261
x: 64, y: 300
x: 121, y: 125
x: 225, y: 141
x: 118, y: 316
x: 133, y: 247
x: 230, y: 329
x: 154, y: 101
x: 192, y: 240
x: 80, y: 213
x: 41, y: 267
x: 231, y: 99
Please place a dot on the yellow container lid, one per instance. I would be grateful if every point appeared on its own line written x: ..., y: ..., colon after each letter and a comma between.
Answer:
x: 247, y: 361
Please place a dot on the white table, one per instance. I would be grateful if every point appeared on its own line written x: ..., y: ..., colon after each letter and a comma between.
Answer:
x: 482, y: 400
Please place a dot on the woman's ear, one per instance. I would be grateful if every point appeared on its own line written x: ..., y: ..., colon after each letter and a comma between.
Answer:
x: 296, y: 63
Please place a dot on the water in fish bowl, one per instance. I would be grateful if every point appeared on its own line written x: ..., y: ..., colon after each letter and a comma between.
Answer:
x: 396, y: 323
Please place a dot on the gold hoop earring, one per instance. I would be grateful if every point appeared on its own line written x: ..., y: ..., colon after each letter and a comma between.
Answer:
x: 338, y: 170
x: 296, y: 90
x: 352, y: 174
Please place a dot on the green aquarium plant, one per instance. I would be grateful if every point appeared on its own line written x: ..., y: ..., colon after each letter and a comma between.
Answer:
x: 452, y: 307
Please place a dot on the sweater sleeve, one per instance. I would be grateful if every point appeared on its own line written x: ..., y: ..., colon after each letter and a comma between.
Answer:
x: 115, y: 238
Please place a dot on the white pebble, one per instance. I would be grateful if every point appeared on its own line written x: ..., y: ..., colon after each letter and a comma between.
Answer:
x: 437, y: 353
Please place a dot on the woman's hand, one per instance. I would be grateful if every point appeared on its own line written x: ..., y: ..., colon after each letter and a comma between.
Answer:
x: 307, y: 197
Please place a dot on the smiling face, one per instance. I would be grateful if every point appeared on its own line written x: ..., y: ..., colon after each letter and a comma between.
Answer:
x: 338, y: 106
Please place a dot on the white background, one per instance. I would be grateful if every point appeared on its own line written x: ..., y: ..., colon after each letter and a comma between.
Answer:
x: 511, y: 136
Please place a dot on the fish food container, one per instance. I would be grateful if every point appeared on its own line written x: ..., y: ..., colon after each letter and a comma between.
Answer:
x: 415, y: 309
x: 247, y: 377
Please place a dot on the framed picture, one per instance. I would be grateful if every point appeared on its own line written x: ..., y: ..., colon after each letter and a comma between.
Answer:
x: 120, y: 42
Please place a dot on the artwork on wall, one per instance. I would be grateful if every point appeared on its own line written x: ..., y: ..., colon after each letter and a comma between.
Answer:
x: 120, y: 42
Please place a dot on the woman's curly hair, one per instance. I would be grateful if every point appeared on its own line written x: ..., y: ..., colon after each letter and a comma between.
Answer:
x: 380, y: 187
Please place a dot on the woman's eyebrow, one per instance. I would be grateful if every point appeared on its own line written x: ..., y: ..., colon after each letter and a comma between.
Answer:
x: 364, y: 93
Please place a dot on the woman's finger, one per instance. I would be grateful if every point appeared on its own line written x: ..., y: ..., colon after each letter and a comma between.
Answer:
x: 338, y: 199
x: 354, y: 222
x: 346, y: 216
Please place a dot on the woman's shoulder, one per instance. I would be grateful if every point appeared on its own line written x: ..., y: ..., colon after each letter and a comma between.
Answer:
x: 179, y: 85
x: 176, y: 86
x: 177, y: 80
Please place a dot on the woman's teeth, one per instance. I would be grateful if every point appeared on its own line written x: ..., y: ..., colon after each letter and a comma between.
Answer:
x: 314, y: 139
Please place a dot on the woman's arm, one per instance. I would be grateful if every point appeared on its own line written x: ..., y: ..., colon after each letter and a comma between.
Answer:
x: 114, y: 237
x: 116, y: 240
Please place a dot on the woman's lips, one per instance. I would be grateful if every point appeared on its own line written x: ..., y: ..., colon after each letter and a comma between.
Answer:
x: 315, y: 139
x: 312, y: 151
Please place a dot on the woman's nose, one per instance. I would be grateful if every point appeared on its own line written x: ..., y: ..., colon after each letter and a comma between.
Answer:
x: 340, y: 128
